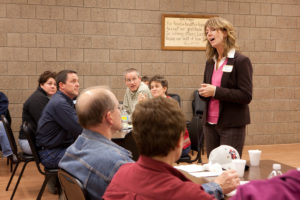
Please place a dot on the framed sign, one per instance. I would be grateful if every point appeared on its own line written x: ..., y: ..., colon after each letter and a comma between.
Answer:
x: 183, y: 32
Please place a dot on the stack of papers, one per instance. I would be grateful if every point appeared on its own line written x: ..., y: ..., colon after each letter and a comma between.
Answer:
x: 197, y: 170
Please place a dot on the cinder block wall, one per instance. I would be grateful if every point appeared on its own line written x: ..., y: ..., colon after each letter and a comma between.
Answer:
x: 101, y: 38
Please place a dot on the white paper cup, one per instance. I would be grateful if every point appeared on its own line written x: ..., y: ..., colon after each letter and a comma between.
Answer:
x: 239, y: 166
x: 254, y: 156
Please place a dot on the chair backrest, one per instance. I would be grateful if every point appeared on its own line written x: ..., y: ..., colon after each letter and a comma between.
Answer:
x: 71, y: 186
x: 176, y: 97
x: 198, y: 105
x: 8, y: 117
x: 195, y: 132
x: 195, y: 127
x: 10, y: 135
x: 30, y: 136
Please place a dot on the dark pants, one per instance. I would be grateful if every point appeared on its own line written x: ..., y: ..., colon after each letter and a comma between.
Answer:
x: 51, y: 157
x: 185, y: 151
x: 215, y: 136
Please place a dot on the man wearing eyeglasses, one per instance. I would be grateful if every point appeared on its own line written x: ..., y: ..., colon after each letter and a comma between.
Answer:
x: 136, y: 90
x: 93, y: 158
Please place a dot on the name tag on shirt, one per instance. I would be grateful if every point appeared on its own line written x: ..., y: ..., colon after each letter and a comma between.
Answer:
x: 227, y: 68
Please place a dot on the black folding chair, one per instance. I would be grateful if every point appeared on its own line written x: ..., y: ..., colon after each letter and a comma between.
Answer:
x: 198, y: 106
x: 20, y: 156
x: 176, y: 97
x: 71, y: 186
x: 30, y: 135
x: 195, y: 129
x: 128, y: 143
x: 10, y: 162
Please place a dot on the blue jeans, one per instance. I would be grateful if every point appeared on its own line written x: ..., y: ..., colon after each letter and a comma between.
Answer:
x: 24, y: 145
x: 51, y: 157
x: 185, y: 151
x: 4, y: 143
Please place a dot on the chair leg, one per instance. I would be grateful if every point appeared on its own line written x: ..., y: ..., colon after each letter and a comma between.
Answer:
x: 18, y: 181
x: 202, y: 145
x: 199, y: 160
x: 11, y: 164
x: 12, y: 175
x: 199, y: 156
x: 43, y: 187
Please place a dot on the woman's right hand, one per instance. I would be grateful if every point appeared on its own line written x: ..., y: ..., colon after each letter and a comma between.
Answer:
x: 142, y: 97
x: 207, y: 90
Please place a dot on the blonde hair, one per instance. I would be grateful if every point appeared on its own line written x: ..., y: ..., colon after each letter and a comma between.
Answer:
x: 222, y: 24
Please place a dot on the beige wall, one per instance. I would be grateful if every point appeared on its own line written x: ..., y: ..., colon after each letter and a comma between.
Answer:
x: 101, y: 38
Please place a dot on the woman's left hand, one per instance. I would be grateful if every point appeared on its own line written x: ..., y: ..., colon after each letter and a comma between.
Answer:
x: 207, y: 90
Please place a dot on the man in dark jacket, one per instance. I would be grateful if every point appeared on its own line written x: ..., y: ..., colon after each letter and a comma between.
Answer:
x: 58, y: 126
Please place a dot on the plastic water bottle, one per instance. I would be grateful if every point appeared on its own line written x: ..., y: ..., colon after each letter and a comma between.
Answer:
x: 276, y: 171
x: 124, y: 117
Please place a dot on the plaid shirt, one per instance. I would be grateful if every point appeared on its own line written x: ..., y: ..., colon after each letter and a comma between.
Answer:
x: 131, y: 98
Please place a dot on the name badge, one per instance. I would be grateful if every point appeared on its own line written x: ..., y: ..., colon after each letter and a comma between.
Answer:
x: 227, y: 68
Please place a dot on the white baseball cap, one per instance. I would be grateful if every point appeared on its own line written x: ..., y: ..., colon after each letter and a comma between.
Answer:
x: 223, y: 155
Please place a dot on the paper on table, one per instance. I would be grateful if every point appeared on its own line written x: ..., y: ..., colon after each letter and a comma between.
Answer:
x: 230, y: 194
x: 190, y: 168
x: 205, y: 174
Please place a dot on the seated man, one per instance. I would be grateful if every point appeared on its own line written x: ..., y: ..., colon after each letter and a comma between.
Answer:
x: 136, y: 90
x: 58, y: 126
x: 158, y: 127
x: 94, y: 158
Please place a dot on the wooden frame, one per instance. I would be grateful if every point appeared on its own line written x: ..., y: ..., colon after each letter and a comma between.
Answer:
x: 183, y: 32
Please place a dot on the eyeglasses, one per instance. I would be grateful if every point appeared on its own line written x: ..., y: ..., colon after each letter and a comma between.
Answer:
x: 131, y: 80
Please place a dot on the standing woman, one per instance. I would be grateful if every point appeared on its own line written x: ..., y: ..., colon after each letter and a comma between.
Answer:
x: 227, y: 87
x: 34, y: 105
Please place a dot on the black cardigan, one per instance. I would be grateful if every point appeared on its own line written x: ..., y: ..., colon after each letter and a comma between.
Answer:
x: 32, y: 109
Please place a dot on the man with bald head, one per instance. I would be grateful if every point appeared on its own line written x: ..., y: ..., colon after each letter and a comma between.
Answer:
x: 93, y: 158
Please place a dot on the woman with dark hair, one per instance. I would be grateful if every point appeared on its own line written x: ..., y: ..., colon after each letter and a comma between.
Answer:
x: 158, y: 88
x: 34, y: 105
x: 226, y: 88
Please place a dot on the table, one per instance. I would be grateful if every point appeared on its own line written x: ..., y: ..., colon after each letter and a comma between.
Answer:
x: 128, y: 143
x: 263, y: 170
x: 260, y: 172
x: 252, y: 173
